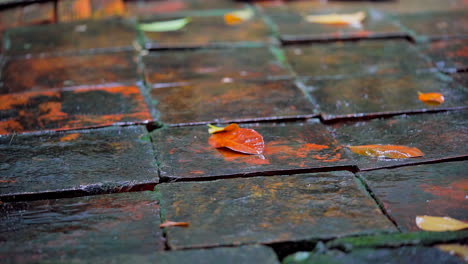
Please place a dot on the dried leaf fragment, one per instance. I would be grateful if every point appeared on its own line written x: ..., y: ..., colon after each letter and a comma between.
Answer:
x: 165, y: 26
x: 237, y: 17
x: 387, y: 151
x: 439, y: 224
x: 243, y: 140
x: 338, y: 19
x: 455, y: 249
x: 171, y: 223
x: 432, y: 99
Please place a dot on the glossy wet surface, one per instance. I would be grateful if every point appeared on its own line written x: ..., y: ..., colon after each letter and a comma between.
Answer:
x: 104, y: 136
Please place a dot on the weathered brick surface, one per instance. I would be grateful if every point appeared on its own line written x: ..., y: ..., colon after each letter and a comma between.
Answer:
x: 70, y: 109
x: 184, y: 153
x: 220, y: 101
x: 268, y: 209
x: 448, y: 55
x: 383, y: 95
x: 439, y: 136
x: 430, y: 189
x: 68, y: 71
x: 82, y: 162
x: 215, y: 64
x: 111, y: 228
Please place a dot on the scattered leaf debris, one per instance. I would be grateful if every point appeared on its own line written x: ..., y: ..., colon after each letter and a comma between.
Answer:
x: 165, y: 26
x: 172, y: 223
x: 432, y: 99
x: 243, y: 140
x: 439, y: 224
x: 237, y: 17
x: 338, y: 19
x: 387, y: 151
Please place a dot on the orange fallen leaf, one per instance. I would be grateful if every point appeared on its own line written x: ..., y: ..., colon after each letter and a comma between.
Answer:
x: 432, y: 99
x: 338, y: 19
x: 387, y: 151
x: 237, y: 17
x: 439, y: 224
x: 171, y: 223
x: 455, y: 249
x: 243, y: 140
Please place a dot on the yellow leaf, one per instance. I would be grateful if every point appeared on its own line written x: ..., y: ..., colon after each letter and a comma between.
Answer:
x: 432, y: 99
x: 455, y: 249
x: 387, y: 151
x: 439, y: 224
x: 237, y: 17
x: 338, y: 19
x: 214, y: 129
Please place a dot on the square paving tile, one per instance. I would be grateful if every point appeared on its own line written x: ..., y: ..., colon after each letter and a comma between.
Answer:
x: 268, y: 210
x: 292, y: 26
x: 82, y: 162
x: 384, y: 94
x: 70, y: 37
x: 73, y: 10
x: 461, y: 78
x: 345, y: 59
x: 95, y: 229
x: 163, y: 7
x: 437, y: 25
x: 418, y: 6
x: 448, y: 55
x: 439, y: 136
x: 66, y: 71
x: 208, y: 31
x: 69, y: 109
x: 430, y: 189
x: 210, y: 101
x: 245, y: 254
x: 184, y: 152
x: 189, y: 65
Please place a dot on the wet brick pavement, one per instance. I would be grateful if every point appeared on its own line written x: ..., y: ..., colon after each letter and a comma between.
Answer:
x: 103, y: 132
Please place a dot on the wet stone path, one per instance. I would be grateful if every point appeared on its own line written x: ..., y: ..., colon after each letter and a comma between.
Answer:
x: 103, y: 132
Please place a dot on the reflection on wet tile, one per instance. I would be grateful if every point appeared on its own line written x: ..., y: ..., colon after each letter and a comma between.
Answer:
x: 448, y: 55
x: 79, y: 108
x: 98, y: 229
x: 384, y: 94
x: 346, y: 59
x: 70, y: 37
x: 209, y: 31
x: 185, y: 153
x: 84, y: 162
x: 66, y: 71
x: 439, y: 136
x: 240, y: 63
x: 205, y: 102
x: 430, y: 189
x: 269, y: 209
x: 437, y: 25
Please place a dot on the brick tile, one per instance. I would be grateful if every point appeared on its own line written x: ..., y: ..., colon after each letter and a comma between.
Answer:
x: 204, y: 102
x: 76, y: 162
x: 241, y: 63
x: 72, y: 10
x: 383, y: 95
x: 347, y: 59
x: 149, y: 8
x: 184, y: 153
x: 10, y: 17
x: 430, y: 189
x: 439, y: 136
x: 209, y: 31
x: 448, y: 55
x: 99, y: 229
x: 419, y: 6
x: 66, y: 71
x: 79, y: 108
x: 39, y: 13
x: 437, y: 25
x: 461, y: 78
x: 292, y: 26
x: 269, y: 209
x: 245, y: 254
x: 70, y: 37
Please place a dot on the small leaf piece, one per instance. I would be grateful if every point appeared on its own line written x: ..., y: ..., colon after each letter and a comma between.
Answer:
x: 432, y: 99
x: 455, y: 249
x: 439, y: 224
x: 171, y: 223
x: 237, y: 17
x: 214, y: 129
x: 243, y: 140
x: 338, y: 19
x: 165, y: 26
x: 387, y: 151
